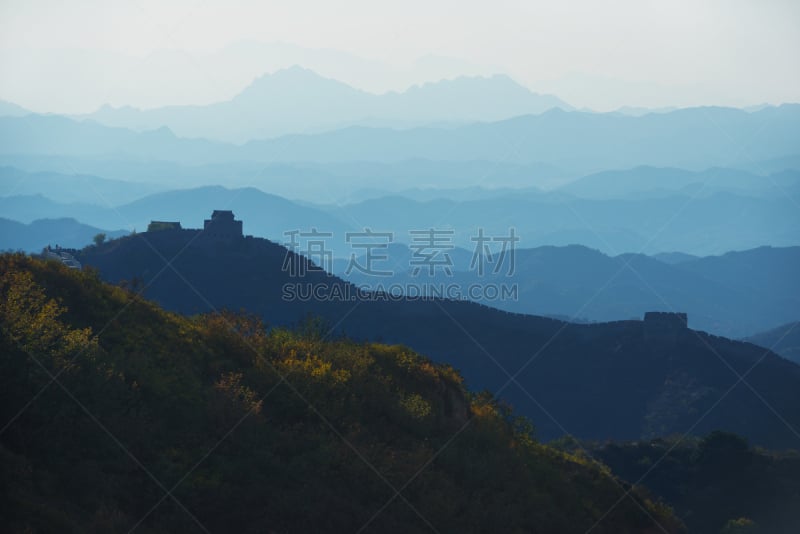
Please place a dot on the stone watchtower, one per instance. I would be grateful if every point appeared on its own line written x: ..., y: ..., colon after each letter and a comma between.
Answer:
x: 664, y: 327
x: 222, y: 225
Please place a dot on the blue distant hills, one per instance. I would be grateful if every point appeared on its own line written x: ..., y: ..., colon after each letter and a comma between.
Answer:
x: 665, y: 191
x: 297, y: 100
x: 576, y: 142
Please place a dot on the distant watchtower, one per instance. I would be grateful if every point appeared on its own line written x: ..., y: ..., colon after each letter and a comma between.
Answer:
x: 222, y: 225
x: 664, y: 326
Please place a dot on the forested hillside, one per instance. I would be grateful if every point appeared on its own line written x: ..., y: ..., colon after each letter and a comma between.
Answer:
x: 123, y: 416
x: 597, y: 381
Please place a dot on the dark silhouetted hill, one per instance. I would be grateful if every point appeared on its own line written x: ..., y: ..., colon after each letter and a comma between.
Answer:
x: 610, y: 380
x: 714, y: 481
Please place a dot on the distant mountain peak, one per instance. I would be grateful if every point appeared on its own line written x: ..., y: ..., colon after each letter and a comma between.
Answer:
x: 162, y: 132
x: 293, y: 74
x: 295, y: 87
x: 496, y: 81
x: 10, y: 109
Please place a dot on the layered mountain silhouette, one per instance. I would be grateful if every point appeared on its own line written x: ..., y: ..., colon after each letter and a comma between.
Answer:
x: 692, y: 138
x: 722, y: 293
x: 78, y: 188
x: 67, y: 233
x: 267, y: 215
x: 649, y: 225
x: 647, y: 182
x: 784, y: 340
x: 297, y: 100
x: 648, y: 314
x: 622, y: 380
x: 735, y: 295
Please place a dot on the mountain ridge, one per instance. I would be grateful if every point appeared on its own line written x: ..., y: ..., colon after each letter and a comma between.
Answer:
x: 598, y: 381
x: 697, y: 138
x: 295, y: 100
x: 61, y: 232
x: 783, y: 339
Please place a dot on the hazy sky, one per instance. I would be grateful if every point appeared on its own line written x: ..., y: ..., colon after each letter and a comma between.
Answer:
x: 75, y: 56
